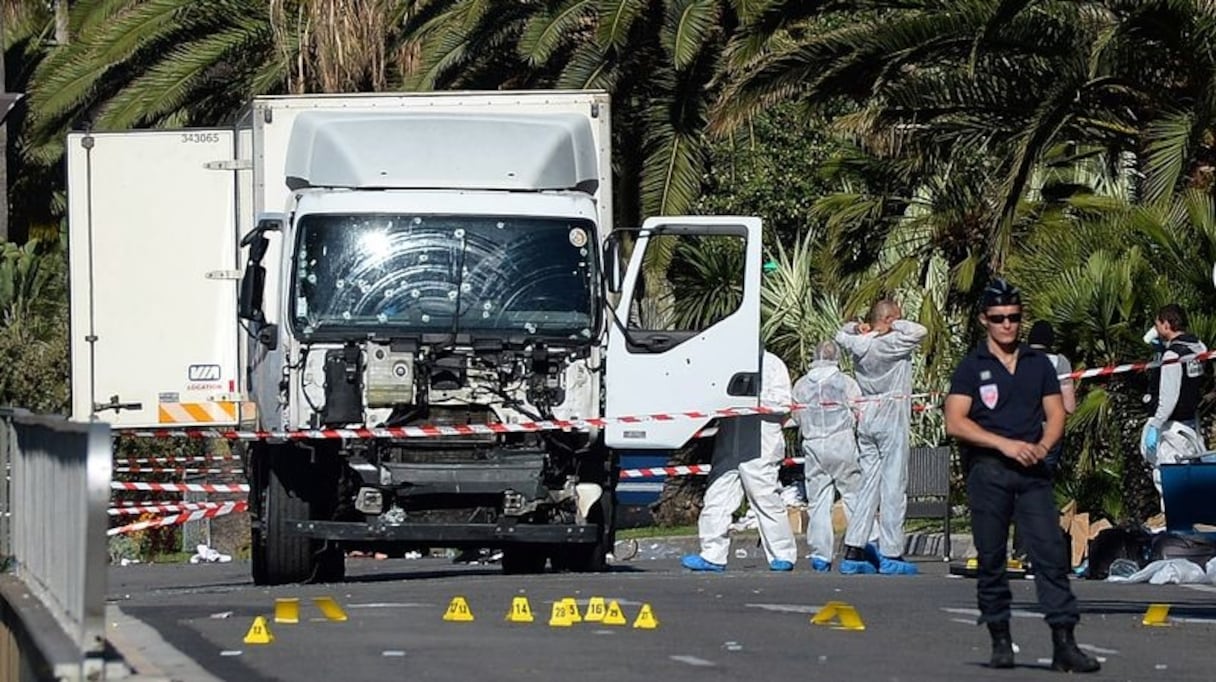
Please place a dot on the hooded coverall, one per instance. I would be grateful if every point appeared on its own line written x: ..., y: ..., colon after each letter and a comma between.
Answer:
x: 826, y: 424
x: 747, y: 453
x: 883, y: 366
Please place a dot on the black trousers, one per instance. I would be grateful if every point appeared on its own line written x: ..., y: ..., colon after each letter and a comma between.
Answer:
x: 1000, y: 493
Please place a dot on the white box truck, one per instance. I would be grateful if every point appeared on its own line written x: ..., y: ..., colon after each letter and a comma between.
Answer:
x: 336, y: 270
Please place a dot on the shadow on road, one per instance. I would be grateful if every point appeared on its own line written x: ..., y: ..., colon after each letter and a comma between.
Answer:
x: 1095, y: 607
x: 396, y: 574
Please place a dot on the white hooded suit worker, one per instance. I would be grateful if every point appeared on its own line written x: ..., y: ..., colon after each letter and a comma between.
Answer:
x: 826, y: 421
x: 747, y: 454
x: 882, y: 361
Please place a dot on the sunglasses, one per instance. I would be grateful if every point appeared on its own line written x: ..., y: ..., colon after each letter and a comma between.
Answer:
x: 1014, y: 318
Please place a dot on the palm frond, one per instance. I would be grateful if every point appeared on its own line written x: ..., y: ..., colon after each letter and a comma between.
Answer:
x: 686, y: 27
x: 616, y: 18
x: 169, y: 85
x: 545, y: 31
x: 1168, y: 141
x: 589, y: 67
x: 671, y: 176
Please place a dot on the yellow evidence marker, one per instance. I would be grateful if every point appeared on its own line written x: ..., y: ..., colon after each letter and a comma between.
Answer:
x: 595, y: 610
x: 330, y: 609
x: 521, y: 611
x: 287, y: 610
x: 1157, y: 615
x: 560, y: 617
x: 646, y: 619
x: 458, y: 611
x: 614, y: 615
x: 845, y: 614
x: 259, y: 632
x: 572, y: 610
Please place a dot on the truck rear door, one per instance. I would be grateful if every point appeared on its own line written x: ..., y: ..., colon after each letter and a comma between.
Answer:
x: 686, y: 347
x: 152, y: 234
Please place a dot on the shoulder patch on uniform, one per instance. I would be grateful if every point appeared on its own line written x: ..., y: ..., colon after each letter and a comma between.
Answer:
x: 989, y: 395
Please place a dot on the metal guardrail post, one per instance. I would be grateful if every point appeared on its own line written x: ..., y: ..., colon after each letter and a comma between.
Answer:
x: 58, y: 490
x: 6, y: 533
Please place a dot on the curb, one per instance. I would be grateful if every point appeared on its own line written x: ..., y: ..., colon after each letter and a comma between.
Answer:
x: 933, y: 545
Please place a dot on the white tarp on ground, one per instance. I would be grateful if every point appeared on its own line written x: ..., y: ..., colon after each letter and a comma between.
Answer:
x: 1171, y: 571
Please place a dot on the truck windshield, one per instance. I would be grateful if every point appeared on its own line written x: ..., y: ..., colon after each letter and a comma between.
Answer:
x: 443, y: 273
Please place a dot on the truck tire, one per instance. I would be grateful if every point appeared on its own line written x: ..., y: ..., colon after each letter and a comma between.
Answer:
x: 523, y: 559
x: 287, y: 490
x: 590, y: 557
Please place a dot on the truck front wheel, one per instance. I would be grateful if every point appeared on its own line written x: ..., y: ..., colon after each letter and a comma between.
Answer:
x: 287, y: 487
x: 590, y: 558
x: 523, y: 559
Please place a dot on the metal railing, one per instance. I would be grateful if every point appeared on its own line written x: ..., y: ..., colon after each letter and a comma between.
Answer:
x: 53, y: 519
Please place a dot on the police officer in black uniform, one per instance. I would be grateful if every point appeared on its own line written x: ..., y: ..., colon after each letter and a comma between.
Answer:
x: 1005, y: 408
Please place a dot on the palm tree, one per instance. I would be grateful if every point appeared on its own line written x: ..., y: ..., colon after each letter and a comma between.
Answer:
x: 26, y: 29
x: 189, y: 62
x: 33, y: 322
x: 658, y: 58
x: 1098, y: 268
x: 974, y: 119
x: 999, y: 85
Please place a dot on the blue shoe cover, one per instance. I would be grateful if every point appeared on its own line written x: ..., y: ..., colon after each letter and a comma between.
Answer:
x: 849, y: 567
x: 780, y: 565
x: 890, y: 566
x: 695, y: 562
x: 820, y: 566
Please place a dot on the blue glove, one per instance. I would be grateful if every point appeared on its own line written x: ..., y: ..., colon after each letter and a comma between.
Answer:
x: 1151, y: 437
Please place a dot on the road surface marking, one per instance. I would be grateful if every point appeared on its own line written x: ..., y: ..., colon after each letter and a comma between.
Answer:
x: 694, y: 661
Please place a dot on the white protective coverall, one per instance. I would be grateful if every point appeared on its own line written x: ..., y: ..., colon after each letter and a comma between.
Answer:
x: 830, y: 447
x: 747, y: 454
x: 883, y: 367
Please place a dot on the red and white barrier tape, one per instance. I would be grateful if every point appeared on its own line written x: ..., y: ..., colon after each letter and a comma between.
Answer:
x: 684, y: 470
x: 429, y: 431
x: 1137, y: 366
x: 679, y: 470
x: 406, y: 432
x: 180, y: 487
x: 137, y: 508
x: 688, y: 469
x: 173, y: 470
x: 169, y: 459
x: 410, y: 432
x: 185, y: 517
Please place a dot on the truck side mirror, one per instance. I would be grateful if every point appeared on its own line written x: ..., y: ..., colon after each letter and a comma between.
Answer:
x: 253, y: 284
x: 267, y: 222
x: 611, y: 259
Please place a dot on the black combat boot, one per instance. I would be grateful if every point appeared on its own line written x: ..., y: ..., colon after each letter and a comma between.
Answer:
x: 1066, y: 657
x: 1002, y: 645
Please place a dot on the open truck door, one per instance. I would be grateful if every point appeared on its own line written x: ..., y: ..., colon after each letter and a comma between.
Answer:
x: 698, y: 356
x: 153, y: 267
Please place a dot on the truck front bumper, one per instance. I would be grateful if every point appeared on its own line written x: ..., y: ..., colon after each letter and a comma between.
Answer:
x: 480, y: 534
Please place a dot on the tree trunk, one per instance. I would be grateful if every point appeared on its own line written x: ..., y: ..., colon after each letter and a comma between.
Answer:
x: 3, y: 145
x: 680, y: 502
x: 62, y: 32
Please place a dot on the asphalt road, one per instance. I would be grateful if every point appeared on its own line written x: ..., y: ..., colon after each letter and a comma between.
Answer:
x: 748, y: 623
